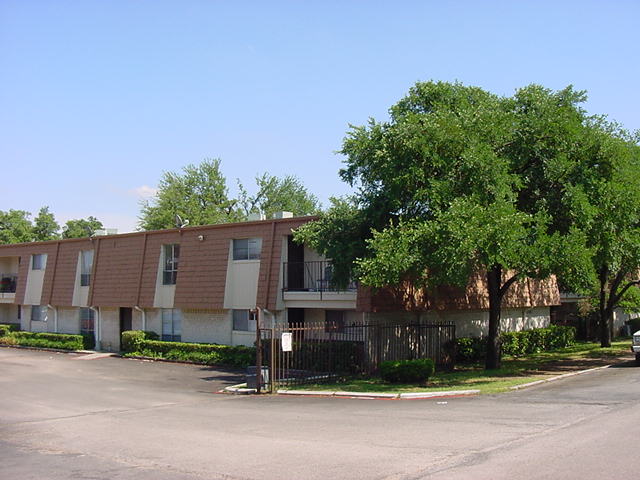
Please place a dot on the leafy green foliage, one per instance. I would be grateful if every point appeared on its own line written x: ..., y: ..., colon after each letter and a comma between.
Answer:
x: 15, y: 227
x: 278, y: 194
x: 45, y: 226
x: 7, y: 328
x: 407, y: 371
x: 516, y: 344
x: 81, y: 228
x: 47, y: 340
x: 138, y: 343
x: 199, y: 193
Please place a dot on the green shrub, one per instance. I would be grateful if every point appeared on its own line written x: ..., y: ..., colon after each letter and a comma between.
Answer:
x: 470, y: 349
x: 141, y: 343
x: 407, y: 371
x: 7, y: 328
x: 48, y: 340
x: 516, y: 344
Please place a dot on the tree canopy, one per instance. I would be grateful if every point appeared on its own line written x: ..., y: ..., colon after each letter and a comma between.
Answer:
x: 200, y: 195
x: 15, y: 227
x: 448, y: 187
x: 45, y: 226
x: 81, y: 227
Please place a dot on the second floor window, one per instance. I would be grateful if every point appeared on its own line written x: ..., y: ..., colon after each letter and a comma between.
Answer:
x: 171, y: 257
x: 86, y: 264
x: 38, y: 261
x: 247, y: 248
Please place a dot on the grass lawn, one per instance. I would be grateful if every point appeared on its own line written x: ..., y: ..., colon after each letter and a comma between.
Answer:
x: 514, y: 371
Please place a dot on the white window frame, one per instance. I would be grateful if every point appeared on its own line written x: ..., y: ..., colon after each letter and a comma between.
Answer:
x: 244, y: 320
x: 171, y: 325
x: 247, y: 249
x: 170, y: 260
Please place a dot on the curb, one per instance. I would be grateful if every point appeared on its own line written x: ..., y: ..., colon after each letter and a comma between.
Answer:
x: 46, y: 349
x: 558, y: 377
x: 239, y: 389
x: 376, y: 395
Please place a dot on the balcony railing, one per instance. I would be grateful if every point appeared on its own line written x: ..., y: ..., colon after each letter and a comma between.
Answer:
x: 311, y: 277
x: 8, y: 283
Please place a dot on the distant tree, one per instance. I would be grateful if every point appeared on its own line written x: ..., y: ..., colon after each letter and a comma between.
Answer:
x: 15, y: 227
x: 45, y: 226
x: 278, y: 194
x: 81, y: 228
x: 199, y: 194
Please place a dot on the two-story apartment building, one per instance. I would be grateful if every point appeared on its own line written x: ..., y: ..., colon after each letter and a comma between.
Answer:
x: 213, y: 283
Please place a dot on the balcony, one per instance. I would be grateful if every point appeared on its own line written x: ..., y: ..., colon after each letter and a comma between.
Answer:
x: 313, y: 282
x: 8, y: 283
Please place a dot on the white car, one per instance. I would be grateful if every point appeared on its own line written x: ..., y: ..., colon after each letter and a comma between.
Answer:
x: 635, y: 347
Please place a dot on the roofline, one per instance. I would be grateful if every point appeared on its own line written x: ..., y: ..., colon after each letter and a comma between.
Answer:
x: 194, y: 228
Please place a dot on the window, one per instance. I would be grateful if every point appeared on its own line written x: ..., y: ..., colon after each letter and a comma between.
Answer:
x: 334, y: 321
x: 171, y: 257
x: 38, y: 313
x: 244, y: 320
x: 171, y: 324
x: 87, y: 321
x: 247, y: 249
x: 86, y: 264
x: 19, y: 312
x: 38, y: 261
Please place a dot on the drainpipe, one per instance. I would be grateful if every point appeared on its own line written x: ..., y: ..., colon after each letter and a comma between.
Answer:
x: 273, y: 317
x: 144, y: 316
x: 55, y: 317
x: 96, y: 328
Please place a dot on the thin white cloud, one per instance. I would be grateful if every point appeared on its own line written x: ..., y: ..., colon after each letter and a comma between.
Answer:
x: 143, y: 191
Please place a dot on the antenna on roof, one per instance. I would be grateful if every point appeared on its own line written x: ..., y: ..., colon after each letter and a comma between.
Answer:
x: 180, y: 223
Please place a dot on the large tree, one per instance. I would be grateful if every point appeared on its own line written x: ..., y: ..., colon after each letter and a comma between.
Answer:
x: 198, y: 194
x: 15, y: 227
x: 81, y: 227
x: 278, y: 194
x: 45, y: 226
x: 438, y: 200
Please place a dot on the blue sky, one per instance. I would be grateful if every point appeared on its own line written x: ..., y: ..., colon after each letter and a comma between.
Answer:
x: 98, y: 98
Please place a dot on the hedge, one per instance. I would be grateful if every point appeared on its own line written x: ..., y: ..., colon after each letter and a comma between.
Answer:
x: 473, y: 349
x: 46, y: 340
x: 407, y: 371
x: 136, y: 342
x: 7, y: 328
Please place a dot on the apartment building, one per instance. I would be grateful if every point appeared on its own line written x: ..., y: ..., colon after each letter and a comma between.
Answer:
x: 214, y: 283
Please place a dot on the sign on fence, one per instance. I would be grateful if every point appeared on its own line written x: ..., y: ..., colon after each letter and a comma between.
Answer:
x: 287, y: 342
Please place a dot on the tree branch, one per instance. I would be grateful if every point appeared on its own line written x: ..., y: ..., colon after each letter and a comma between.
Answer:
x: 507, y: 284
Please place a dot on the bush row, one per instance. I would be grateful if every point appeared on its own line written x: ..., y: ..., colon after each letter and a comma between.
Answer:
x: 6, y: 328
x: 144, y: 344
x: 47, y: 340
x: 407, y: 371
x: 473, y: 349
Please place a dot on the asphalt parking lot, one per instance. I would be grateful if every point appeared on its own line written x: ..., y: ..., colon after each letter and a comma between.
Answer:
x: 64, y: 416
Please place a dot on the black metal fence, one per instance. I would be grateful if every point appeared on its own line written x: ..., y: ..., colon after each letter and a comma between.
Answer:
x: 321, y: 352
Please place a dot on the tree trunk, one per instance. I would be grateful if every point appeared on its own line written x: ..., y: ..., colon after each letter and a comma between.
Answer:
x: 603, y: 314
x: 494, y: 280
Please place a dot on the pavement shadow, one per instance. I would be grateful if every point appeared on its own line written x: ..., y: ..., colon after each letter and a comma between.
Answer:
x: 627, y: 364
x: 226, y: 375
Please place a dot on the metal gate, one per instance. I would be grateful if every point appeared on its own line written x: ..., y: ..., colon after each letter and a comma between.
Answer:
x: 302, y: 353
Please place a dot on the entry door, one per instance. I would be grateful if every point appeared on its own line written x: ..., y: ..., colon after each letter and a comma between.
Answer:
x: 295, y: 265
x: 125, y: 319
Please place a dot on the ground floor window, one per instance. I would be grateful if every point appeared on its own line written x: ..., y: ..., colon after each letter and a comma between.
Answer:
x: 244, y: 320
x: 334, y: 321
x: 87, y: 321
x: 171, y: 324
x: 38, y: 313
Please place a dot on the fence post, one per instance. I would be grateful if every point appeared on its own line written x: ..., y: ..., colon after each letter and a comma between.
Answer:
x: 258, y: 358
x: 272, y: 366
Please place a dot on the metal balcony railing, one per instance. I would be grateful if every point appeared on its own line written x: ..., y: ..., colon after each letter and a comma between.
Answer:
x: 311, y: 277
x: 8, y: 283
